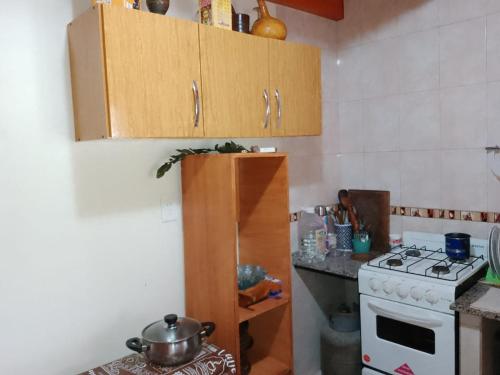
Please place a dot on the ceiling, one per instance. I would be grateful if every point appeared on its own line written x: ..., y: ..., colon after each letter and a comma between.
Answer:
x: 332, y: 9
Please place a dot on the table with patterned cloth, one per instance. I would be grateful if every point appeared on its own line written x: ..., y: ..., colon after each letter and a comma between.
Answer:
x: 211, y: 361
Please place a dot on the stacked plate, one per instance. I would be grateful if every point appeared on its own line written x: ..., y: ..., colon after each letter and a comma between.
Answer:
x: 494, y: 250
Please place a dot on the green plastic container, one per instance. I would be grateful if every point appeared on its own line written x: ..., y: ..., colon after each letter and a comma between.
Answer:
x: 492, y: 278
x: 361, y: 247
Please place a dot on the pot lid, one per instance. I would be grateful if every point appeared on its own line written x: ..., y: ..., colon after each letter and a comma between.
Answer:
x: 171, y: 329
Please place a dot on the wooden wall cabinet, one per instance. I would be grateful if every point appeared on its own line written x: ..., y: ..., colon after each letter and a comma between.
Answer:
x: 140, y: 75
x: 235, y: 210
x: 295, y: 82
x: 235, y: 75
x: 133, y: 75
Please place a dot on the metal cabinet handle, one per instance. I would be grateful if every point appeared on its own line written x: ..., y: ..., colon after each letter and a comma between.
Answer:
x: 196, y: 95
x: 268, y: 109
x: 278, y: 101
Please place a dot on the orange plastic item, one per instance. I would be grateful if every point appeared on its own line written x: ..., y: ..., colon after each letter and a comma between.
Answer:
x: 257, y: 293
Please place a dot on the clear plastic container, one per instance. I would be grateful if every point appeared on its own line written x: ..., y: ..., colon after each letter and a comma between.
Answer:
x: 312, y: 236
x: 331, y: 237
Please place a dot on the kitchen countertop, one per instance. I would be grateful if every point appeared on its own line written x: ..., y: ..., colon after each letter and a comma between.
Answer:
x: 464, y: 303
x: 211, y: 357
x: 342, y: 266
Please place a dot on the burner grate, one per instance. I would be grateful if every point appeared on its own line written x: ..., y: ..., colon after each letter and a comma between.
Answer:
x: 441, y: 269
x: 394, y: 262
x: 415, y: 255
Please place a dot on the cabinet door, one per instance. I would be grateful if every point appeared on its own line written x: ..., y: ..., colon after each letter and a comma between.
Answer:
x: 295, y: 80
x: 151, y: 63
x: 235, y: 75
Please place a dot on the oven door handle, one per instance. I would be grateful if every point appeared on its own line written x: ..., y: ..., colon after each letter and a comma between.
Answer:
x: 415, y: 320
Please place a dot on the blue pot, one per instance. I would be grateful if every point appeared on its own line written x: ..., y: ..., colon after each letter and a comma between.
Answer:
x: 457, y: 246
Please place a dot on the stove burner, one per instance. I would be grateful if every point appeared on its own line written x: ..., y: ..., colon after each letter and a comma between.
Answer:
x: 441, y: 270
x: 413, y: 253
x: 394, y: 262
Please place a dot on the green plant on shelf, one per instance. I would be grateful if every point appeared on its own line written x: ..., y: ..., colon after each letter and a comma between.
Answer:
x: 227, y: 148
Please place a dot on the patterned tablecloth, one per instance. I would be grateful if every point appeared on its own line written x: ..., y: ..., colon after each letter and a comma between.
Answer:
x: 210, y: 361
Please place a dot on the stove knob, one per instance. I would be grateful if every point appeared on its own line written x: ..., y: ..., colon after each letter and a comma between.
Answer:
x: 431, y: 297
x: 374, y: 284
x: 416, y: 293
x: 403, y: 290
x: 389, y: 287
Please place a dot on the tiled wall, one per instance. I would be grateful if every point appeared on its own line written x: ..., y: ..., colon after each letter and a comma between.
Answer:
x: 312, y: 180
x: 418, y: 88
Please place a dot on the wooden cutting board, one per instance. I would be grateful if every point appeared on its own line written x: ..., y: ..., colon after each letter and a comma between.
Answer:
x: 374, y: 211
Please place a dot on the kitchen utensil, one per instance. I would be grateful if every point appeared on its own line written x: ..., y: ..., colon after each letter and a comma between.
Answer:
x: 267, y: 26
x: 339, y: 216
x: 250, y: 275
x: 158, y: 6
x: 171, y: 341
x: 374, y: 208
x: 346, y: 205
x: 320, y: 210
x: 457, y: 245
x: 241, y: 23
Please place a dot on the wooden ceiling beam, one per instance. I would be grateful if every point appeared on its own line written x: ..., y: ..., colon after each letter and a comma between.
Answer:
x: 332, y: 9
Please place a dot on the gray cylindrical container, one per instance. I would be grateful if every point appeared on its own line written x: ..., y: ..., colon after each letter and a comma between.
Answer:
x: 341, y: 345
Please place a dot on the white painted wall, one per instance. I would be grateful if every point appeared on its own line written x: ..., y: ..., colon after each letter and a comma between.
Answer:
x: 85, y: 260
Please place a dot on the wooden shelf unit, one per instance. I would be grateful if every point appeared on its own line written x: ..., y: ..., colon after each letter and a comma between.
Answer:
x: 269, y: 365
x: 235, y: 210
x: 247, y: 313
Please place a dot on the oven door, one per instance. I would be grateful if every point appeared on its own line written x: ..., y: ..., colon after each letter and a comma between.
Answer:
x: 406, y: 340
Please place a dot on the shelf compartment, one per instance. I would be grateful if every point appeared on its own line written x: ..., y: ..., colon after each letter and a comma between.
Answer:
x: 269, y: 366
x: 247, y: 313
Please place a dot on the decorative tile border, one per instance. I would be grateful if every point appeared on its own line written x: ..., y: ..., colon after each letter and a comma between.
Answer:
x: 438, y: 213
x: 435, y: 213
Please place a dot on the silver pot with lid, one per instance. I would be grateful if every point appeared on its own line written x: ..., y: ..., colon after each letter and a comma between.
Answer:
x: 171, y: 341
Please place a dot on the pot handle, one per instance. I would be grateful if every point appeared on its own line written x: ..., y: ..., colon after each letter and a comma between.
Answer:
x: 136, y: 345
x: 208, y: 329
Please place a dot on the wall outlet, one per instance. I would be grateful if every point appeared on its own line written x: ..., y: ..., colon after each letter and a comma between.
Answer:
x: 170, y: 212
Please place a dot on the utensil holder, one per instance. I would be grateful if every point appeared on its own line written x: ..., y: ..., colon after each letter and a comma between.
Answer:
x: 361, y: 247
x: 344, y: 237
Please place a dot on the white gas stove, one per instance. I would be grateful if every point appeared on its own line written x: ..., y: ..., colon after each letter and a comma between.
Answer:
x: 407, y: 326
